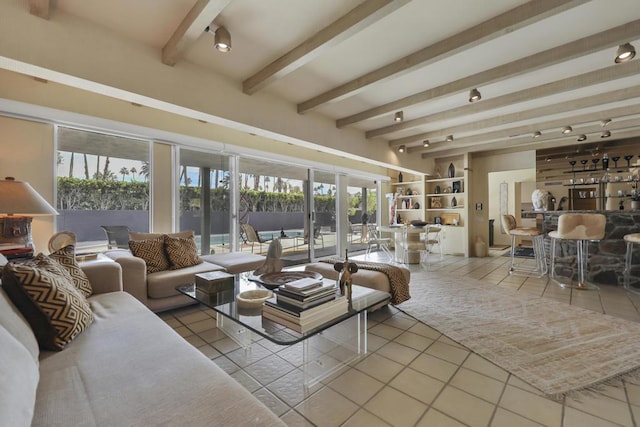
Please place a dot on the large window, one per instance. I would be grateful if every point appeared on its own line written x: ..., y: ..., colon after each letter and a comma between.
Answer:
x: 102, y: 180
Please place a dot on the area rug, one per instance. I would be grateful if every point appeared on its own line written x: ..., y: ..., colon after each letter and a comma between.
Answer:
x: 521, y: 252
x: 553, y: 346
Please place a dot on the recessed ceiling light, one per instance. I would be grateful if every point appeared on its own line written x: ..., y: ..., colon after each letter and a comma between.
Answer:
x: 474, y: 95
x: 567, y: 130
x: 582, y: 137
x: 625, y: 53
x: 425, y: 143
x: 605, y: 122
x: 398, y: 117
x: 537, y: 134
x: 449, y: 138
x: 401, y: 149
x: 605, y: 134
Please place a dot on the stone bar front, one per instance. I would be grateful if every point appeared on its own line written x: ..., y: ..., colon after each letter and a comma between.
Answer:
x: 605, y: 265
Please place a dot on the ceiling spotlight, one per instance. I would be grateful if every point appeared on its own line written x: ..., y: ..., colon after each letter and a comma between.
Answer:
x: 605, y: 122
x: 605, y: 134
x: 425, y: 143
x: 222, y: 40
x: 401, y: 149
x: 474, y: 95
x: 625, y: 53
x: 567, y: 130
x: 537, y: 134
x: 449, y: 138
x: 398, y: 117
x: 582, y: 137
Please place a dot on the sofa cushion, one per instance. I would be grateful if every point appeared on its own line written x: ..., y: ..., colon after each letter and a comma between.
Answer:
x: 163, y: 283
x: 182, y: 252
x: 55, y: 309
x: 19, y: 373
x: 133, y: 235
x: 236, y: 262
x: 66, y: 257
x: 14, y: 322
x: 152, y: 252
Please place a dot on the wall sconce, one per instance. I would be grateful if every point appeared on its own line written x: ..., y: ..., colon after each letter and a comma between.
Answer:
x: 474, y: 95
x: 625, y: 53
x: 398, y: 117
x: 401, y: 149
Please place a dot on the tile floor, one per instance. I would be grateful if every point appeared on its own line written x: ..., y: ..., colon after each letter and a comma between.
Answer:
x: 415, y: 376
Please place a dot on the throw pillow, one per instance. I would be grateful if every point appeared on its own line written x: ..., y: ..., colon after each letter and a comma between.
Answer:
x: 182, y: 252
x: 55, y: 309
x: 152, y: 252
x: 66, y: 257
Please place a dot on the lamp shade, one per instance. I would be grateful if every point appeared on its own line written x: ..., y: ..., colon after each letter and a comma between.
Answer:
x: 19, y: 198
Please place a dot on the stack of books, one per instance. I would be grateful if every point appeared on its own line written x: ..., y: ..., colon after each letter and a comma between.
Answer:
x: 16, y: 251
x: 305, y: 304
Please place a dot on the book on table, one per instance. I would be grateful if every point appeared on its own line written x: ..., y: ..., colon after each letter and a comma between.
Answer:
x: 304, y: 284
x: 303, y: 321
x: 273, y: 304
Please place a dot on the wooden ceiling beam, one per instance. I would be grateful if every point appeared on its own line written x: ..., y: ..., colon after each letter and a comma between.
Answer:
x: 591, y: 78
x: 578, y: 48
x: 476, y: 142
x: 357, y: 19
x: 191, y: 28
x: 41, y: 8
x: 495, y: 27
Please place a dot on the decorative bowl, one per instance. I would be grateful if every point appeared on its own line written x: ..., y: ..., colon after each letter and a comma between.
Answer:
x: 253, y: 298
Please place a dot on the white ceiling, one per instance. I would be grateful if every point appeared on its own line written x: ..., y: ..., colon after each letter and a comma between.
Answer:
x: 262, y: 31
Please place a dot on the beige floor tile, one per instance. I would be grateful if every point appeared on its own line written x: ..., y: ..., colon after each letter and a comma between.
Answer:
x: 290, y: 388
x: 294, y: 419
x: 478, y: 385
x: 400, y: 321
x: 395, y: 407
x: 464, y: 407
x: 385, y: 331
x: 171, y: 321
x: 447, y: 352
x: 227, y: 365
x: 202, y: 325
x: 417, y: 385
x: 398, y: 352
x: 575, y: 418
x: 425, y: 331
x: 504, y: 418
x: 193, y: 317
x: 483, y: 366
x: 276, y: 405
x: 364, y: 418
x: 195, y: 340
x: 246, y: 381
x: 517, y: 382
x: 434, y: 367
x: 434, y: 418
x: 225, y: 345
x: 269, y: 369
x: 379, y: 367
x: 209, y: 351
x: 245, y: 357
x: 183, y: 331
x: 357, y: 386
x: 446, y: 340
x: 327, y: 408
x: 634, y: 393
x: 532, y: 406
x: 374, y: 342
x: 615, y: 391
x: 603, y: 407
x: 414, y: 341
x: 211, y: 335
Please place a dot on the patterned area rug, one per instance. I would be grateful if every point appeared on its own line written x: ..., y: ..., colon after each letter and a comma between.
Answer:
x: 553, y: 346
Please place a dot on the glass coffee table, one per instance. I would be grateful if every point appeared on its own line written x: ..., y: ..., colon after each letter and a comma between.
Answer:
x: 346, y: 333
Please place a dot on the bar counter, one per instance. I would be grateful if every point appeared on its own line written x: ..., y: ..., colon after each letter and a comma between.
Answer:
x: 606, y: 258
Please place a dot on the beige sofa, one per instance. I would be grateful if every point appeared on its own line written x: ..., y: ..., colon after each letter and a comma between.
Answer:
x: 158, y: 290
x: 127, y: 368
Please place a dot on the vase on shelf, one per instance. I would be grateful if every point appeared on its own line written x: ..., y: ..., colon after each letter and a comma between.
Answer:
x: 451, y: 172
x: 400, y: 177
x: 454, y: 202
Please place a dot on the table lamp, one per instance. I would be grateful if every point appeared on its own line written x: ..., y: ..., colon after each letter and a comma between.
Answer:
x: 18, y: 203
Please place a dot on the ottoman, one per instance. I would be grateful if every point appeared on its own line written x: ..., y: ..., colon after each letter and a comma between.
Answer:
x: 236, y: 262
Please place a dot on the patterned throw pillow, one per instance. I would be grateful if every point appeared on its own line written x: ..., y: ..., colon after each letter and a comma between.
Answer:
x: 152, y: 252
x: 66, y: 257
x: 55, y: 309
x: 182, y: 252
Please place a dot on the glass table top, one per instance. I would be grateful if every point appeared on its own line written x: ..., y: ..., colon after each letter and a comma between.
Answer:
x: 224, y: 303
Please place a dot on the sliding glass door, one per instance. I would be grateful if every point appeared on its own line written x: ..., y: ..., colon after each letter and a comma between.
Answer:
x: 363, y: 202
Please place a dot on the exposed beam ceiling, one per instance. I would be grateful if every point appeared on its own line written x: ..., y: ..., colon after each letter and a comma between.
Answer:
x: 41, y: 8
x: 191, y: 28
x: 356, y: 20
x: 518, y: 17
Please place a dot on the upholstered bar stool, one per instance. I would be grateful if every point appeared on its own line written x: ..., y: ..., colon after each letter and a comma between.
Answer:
x: 511, y: 226
x: 582, y: 228
x: 630, y: 239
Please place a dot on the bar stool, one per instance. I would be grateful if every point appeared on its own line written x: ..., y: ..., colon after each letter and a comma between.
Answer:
x: 432, y: 238
x: 630, y: 239
x: 510, y: 225
x: 583, y: 228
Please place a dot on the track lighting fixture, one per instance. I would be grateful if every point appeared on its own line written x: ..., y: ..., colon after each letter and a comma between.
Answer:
x: 222, y: 38
x: 425, y: 143
x: 605, y: 134
x: 398, y: 117
x: 449, y: 138
x: 625, y: 53
x: 401, y: 149
x: 605, y: 122
x: 582, y: 137
x: 567, y: 130
x: 537, y: 134
x: 474, y: 95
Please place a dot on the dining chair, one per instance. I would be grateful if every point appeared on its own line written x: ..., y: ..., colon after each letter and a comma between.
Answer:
x: 382, y: 243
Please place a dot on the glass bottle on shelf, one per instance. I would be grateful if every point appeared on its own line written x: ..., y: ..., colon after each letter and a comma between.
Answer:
x: 605, y: 162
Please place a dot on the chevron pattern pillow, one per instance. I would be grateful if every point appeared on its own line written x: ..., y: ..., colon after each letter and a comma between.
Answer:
x: 152, y: 252
x: 66, y: 257
x: 182, y: 252
x: 55, y: 309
